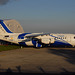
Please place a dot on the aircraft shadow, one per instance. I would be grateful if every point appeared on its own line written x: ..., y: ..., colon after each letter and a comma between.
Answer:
x: 69, y: 54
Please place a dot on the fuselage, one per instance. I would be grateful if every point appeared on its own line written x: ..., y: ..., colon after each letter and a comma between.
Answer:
x: 35, y: 39
x: 51, y: 39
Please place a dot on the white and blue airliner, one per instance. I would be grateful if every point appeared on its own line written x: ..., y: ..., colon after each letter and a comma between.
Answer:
x: 36, y: 39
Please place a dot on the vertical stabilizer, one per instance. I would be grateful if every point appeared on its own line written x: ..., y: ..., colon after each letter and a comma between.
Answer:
x: 10, y: 26
x: 4, y: 28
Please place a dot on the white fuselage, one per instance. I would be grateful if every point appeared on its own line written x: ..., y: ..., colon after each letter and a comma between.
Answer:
x: 35, y: 39
x: 55, y: 39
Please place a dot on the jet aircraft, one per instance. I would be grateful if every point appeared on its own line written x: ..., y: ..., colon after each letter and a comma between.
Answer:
x: 36, y: 39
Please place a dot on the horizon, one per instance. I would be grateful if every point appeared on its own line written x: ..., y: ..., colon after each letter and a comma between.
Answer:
x: 54, y: 16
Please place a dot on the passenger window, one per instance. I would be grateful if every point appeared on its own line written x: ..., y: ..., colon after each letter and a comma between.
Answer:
x: 55, y: 37
x: 74, y: 37
x: 59, y: 37
x: 65, y: 37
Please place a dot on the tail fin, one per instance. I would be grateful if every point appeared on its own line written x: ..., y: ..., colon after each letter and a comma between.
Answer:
x: 4, y: 27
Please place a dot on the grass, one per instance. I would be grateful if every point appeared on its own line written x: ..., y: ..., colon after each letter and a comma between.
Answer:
x: 8, y: 47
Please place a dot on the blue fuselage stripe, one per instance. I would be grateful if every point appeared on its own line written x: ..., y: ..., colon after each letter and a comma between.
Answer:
x: 21, y: 36
x: 60, y: 42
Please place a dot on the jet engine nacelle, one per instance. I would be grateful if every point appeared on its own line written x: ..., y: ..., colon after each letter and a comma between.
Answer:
x: 45, y: 40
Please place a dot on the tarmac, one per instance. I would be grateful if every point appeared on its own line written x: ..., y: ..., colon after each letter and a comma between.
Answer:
x: 38, y: 60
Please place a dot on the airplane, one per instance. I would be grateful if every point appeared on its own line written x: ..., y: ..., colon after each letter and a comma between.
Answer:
x: 36, y: 39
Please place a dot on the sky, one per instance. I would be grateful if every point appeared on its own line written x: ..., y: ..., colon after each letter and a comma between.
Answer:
x: 53, y: 16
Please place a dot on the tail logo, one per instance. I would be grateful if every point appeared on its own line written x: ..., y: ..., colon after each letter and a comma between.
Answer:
x: 4, y: 26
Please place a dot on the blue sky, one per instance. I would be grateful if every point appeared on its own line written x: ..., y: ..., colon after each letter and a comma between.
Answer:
x: 54, y: 16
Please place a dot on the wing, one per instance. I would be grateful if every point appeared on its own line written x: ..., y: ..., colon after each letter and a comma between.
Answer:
x: 33, y: 35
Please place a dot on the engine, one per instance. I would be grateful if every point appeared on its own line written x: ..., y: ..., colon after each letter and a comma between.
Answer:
x: 47, y: 39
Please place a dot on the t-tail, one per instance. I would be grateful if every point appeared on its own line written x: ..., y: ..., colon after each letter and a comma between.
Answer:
x: 4, y: 28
